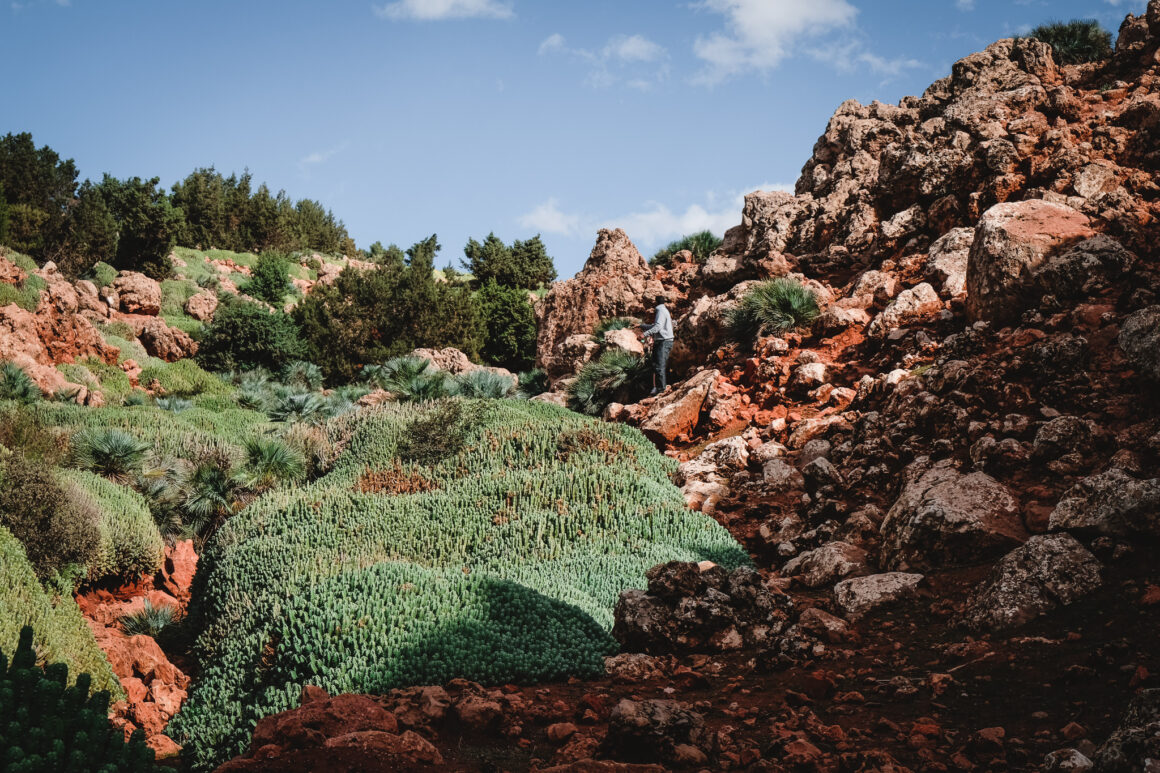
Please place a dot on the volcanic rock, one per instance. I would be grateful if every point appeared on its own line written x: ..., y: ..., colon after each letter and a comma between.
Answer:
x: 1136, y: 739
x: 1111, y: 502
x: 1046, y: 572
x: 946, y: 262
x: 1140, y: 340
x: 677, y: 411
x: 859, y: 596
x: 650, y: 730
x: 137, y: 293
x: 202, y: 306
x: 827, y: 564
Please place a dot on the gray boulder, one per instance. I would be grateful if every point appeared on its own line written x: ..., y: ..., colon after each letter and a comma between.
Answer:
x: 1112, y: 502
x: 1140, y: 340
x: 1134, y: 746
x: 859, y: 596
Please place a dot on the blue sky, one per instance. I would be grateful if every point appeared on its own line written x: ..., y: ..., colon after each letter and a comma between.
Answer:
x: 460, y: 117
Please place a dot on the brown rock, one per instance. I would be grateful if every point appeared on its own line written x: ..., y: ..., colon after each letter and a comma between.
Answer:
x: 137, y: 293
x: 677, y: 411
x: 388, y: 749
x: 159, y: 339
x: 202, y: 306
x: 561, y: 732
x: 478, y: 712
x: 163, y: 747
x: 1011, y: 241
x: 179, y: 568
x: 314, y: 722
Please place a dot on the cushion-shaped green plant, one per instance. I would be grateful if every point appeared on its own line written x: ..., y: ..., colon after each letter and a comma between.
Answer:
x: 1077, y: 41
x: 776, y: 307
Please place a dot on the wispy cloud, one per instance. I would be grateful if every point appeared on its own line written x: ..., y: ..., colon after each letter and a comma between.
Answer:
x: 760, y: 34
x: 969, y: 5
x: 650, y: 225
x: 634, y: 60
x: 319, y: 157
x: 438, y: 10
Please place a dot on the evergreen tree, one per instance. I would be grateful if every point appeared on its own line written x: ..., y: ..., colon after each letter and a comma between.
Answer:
x: 524, y: 264
x: 509, y: 324
x: 148, y: 225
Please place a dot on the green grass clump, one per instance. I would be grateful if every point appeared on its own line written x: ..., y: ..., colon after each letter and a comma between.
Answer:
x: 101, y: 274
x: 46, y: 724
x: 61, y: 632
x: 1077, y: 41
x: 615, y: 323
x: 615, y: 376
x: 130, y: 543
x: 497, y: 557
x: 26, y: 295
x: 483, y: 383
x: 700, y: 244
x: 149, y: 621
x: 113, y: 453
x: 776, y: 307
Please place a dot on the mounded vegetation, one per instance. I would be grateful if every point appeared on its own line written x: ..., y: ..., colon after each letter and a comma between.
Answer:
x: 480, y: 539
x: 701, y: 244
x: 1077, y: 41
x: 776, y: 307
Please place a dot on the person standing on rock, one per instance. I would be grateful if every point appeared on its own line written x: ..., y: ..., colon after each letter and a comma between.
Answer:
x: 662, y: 333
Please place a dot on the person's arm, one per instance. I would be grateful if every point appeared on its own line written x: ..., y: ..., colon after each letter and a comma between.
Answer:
x: 654, y: 329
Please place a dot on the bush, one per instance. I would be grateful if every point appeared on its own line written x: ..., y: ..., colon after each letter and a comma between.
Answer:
x: 510, y: 326
x: 62, y: 635
x: 245, y: 335
x: 776, y: 307
x: 149, y: 621
x: 270, y: 461
x: 396, y: 372
x: 173, y: 404
x: 26, y: 295
x: 269, y: 278
x: 700, y: 244
x: 503, y: 566
x: 184, y: 378
x: 616, y: 323
x: 23, y: 431
x: 303, y: 407
x: 1076, y: 42
x: 56, y: 528
x: 129, y: 542
x: 46, y: 725
x: 305, y: 375
x: 101, y: 274
x: 615, y: 376
x: 17, y: 385
x: 113, y: 453
x: 531, y: 383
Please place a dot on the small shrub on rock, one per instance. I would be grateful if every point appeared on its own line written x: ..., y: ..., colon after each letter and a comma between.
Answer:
x: 17, y: 385
x: 700, y: 244
x: 616, y: 376
x: 1077, y: 41
x: 775, y: 307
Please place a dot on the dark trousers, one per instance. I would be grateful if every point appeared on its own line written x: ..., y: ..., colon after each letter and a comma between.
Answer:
x: 661, y: 349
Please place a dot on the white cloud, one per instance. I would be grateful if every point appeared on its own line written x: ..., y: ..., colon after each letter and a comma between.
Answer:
x: 651, y: 225
x: 969, y: 5
x: 437, y: 10
x: 759, y: 34
x: 632, y: 59
x: 320, y: 157
x: 547, y: 218
x: 633, y: 48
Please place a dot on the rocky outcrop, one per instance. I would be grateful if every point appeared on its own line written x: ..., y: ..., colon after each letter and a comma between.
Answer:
x: 1134, y: 746
x: 1140, y: 340
x: 615, y: 282
x: 1046, y: 572
x: 946, y: 262
x: 944, y: 518
x: 654, y: 730
x: 137, y: 293
x: 455, y: 362
x: 676, y: 412
x: 1011, y: 242
x: 828, y: 564
x: 159, y: 339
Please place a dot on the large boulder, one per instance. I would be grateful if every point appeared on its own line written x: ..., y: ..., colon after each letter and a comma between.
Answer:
x: 159, y: 339
x: 651, y: 730
x: 914, y: 305
x: 704, y: 328
x: 1140, y: 340
x: 1084, y: 268
x: 827, y: 564
x: 677, y: 411
x: 946, y: 518
x: 1046, y: 572
x: 451, y: 360
x: 1134, y: 746
x: 1112, y: 502
x: 1011, y: 242
x: 202, y: 306
x: 137, y: 293
x: 615, y: 282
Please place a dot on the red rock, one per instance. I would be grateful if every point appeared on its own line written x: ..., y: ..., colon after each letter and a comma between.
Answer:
x: 312, y: 693
x: 179, y: 569
x: 137, y: 293
x: 135, y: 689
x: 477, y: 712
x: 168, y: 697
x: 149, y: 717
x: 313, y: 723
x: 1073, y: 731
x: 163, y: 747
x: 404, y: 750
x: 202, y: 306
x: 561, y: 732
x: 677, y: 411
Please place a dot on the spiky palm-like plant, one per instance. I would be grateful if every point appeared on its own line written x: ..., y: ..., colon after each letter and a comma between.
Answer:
x: 425, y: 387
x: 270, y: 461
x: 615, y: 374
x: 775, y: 307
x: 302, y: 374
x: 209, y: 493
x: 483, y: 383
x: 305, y: 407
x: 113, y: 453
x: 615, y: 323
x: 17, y: 385
x: 134, y: 399
x: 149, y: 621
x: 1075, y: 42
x: 253, y: 397
x: 174, y: 404
x: 700, y: 244
x: 397, y: 372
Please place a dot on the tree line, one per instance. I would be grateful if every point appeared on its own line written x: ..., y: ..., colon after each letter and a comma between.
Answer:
x: 134, y: 224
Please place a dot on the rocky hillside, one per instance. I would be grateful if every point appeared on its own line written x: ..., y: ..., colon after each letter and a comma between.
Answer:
x: 948, y: 483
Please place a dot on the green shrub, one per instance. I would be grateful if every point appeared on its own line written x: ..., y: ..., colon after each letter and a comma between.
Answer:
x: 509, y: 326
x: 101, y: 274
x: 615, y: 376
x: 26, y: 295
x: 130, y: 543
x: 269, y: 278
x: 303, y: 407
x: 184, y: 378
x: 47, y: 725
x: 245, y: 335
x: 500, y: 559
x: 615, y: 323
x: 531, y: 383
x: 21, y: 430
x: 62, y: 635
x: 149, y: 621
x: 209, y: 493
x: 173, y: 404
x: 56, y: 528
x: 776, y: 307
x: 395, y: 372
x: 1077, y: 41
x: 134, y: 399
x: 700, y: 244
x: 270, y: 461
x: 525, y: 264
x: 305, y: 375
x: 17, y: 385
x: 482, y: 383
x: 113, y: 453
